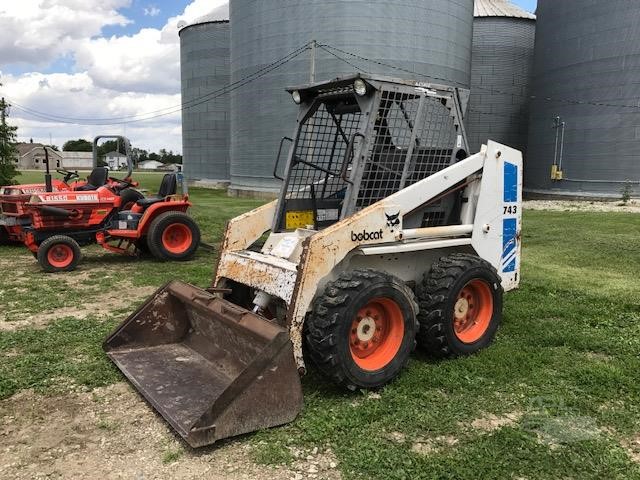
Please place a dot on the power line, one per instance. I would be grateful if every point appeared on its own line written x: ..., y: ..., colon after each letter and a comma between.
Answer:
x: 173, y: 109
x: 488, y: 89
x: 343, y: 59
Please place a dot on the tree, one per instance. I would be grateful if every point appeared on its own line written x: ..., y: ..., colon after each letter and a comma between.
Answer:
x: 80, y: 145
x: 8, y: 150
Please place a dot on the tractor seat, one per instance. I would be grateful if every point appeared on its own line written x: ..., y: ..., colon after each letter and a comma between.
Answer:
x: 96, y: 179
x: 168, y: 187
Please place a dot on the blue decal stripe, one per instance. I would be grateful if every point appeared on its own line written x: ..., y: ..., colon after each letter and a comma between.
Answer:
x: 509, y: 231
x: 510, y: 182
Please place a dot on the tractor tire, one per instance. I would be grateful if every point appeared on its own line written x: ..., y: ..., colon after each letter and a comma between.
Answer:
x: 59, y: 254
x: 362, y: 329
x: 460, y: 306
x: 4, y: 236
x: 129, y: 198
x: 173, y: 236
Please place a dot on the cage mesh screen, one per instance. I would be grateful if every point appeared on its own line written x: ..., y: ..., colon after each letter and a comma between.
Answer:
x: 322, y: 143
x: 410, y: 144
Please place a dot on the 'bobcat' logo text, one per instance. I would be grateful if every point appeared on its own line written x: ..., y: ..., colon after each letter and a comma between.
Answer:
x: 366, y: 236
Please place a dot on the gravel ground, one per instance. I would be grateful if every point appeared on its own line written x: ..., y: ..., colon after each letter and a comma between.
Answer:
x: 633, y: 206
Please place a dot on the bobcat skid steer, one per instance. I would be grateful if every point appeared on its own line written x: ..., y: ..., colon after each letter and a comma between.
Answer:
x: 386, y: 234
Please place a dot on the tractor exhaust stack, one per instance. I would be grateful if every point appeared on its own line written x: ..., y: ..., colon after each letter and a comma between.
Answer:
x: 212, y: 369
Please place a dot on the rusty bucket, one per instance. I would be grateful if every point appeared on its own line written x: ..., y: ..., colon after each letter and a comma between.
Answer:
x: 211, y: 368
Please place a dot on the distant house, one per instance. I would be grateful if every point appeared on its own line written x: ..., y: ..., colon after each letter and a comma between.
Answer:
x: 172, y: 167
x: 31, y: 157
x: 77, y: 160
x: 150, y: 165
x: 115, y: 160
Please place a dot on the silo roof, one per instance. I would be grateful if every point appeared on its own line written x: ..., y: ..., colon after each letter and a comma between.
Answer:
x: 219, y: 14
x: 500, y: 8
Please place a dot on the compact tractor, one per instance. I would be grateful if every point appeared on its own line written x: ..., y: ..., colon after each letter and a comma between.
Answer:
x: 13, y: 216
x: 62, y: 222
x: 386, y: 234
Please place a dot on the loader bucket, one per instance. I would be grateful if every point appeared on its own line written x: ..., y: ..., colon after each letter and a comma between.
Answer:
x: 212, y: 369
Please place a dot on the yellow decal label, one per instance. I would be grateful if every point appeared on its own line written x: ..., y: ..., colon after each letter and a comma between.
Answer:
x: 298, y: 219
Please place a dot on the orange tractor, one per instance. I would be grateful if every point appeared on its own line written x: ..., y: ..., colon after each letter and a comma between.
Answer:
x: 62, y: 222
x: 13, y: 214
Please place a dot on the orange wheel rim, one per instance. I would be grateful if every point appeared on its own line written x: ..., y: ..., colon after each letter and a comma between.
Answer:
x: 177, y: 238
x: 60, y: 255
x: 376, y: 334
x: 473, y: 311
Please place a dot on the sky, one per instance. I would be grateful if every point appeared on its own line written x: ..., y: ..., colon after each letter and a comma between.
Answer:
x: 66, y: 65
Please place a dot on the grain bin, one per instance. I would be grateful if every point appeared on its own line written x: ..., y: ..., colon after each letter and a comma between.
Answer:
x: 586, y: 71
x: 204, y: 66
x: 431, y: 37
x: 501, y: 65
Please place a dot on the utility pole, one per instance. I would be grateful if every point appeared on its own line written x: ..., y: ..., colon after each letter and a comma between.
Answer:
x: 3, y: 118
x: 312, y: 73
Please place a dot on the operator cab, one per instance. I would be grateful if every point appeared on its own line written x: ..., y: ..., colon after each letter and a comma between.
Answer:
x: 360, y: 139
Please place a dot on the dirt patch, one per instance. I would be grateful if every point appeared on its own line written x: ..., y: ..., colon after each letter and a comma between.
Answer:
x: 491, y: 422
x: 112, y: 433
x: 396, y: 437
x: 598, y: 356
x: 633, y: 206
x: 123, y: 296
x: 426, y: 446
x: 632, y: 447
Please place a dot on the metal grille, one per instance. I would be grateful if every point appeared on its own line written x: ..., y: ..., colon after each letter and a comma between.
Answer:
x: 434, y: 218
x: 319, y: 154
x: 412, y: 141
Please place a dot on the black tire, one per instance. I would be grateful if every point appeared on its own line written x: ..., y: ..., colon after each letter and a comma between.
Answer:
x: 156, y: 232
x: 142, y: 246
x: 59, y: 254
x: 4, y: 236
x: 447, y: 332
x: 334, y: 328
x: 129, y: 197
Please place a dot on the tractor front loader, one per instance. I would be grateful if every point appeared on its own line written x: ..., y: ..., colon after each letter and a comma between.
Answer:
x: 386, y: 234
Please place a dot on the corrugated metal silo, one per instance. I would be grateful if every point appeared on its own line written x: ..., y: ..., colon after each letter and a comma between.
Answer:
x: 501, y: 64
x: 586, y: 71
x: 431, y: 37
x: 204, y: 65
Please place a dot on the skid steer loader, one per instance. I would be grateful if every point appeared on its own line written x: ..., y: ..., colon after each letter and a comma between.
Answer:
x: 385, y: 234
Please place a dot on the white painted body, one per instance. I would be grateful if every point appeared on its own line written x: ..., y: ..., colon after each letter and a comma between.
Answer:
x: 295, y: 266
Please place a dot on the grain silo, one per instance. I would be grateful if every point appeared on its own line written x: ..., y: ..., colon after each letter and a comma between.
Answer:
x: 501, y: 64
x: 204, y: 65
x: 430, y: 37
x: 585, y: 115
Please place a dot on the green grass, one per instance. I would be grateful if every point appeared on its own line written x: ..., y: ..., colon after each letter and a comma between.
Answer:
x: 563, y: 369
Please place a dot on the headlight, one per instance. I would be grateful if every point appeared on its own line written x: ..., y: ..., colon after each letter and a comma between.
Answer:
x: 360, y: 87
x: 297, y: 98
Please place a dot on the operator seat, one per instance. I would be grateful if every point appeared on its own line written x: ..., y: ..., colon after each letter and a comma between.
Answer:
x: 168, y: 187
x: 96, y: 179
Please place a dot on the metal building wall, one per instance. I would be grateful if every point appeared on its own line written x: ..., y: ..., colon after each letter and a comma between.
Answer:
x: 431, y: 37
x: 204, y: 65
x: 501, y: 68
x: 586, y: 51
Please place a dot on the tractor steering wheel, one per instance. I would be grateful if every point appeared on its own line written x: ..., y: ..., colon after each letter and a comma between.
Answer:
x: 121, y: 184
x: 67, y: 174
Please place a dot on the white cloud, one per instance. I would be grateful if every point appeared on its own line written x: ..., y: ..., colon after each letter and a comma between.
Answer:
x: 38, y: 31
x: 114, y: 77
x: 151, y: 11
x: 76, y: 96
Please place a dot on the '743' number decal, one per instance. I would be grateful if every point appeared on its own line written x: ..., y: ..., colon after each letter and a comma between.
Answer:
x: 510, y: 209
